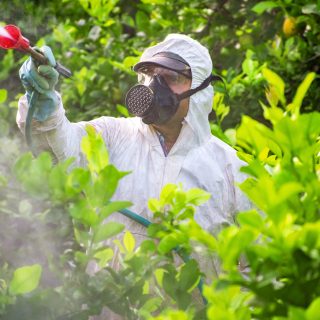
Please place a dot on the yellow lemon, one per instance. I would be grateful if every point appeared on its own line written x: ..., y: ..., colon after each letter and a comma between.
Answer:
x: 289, y: 26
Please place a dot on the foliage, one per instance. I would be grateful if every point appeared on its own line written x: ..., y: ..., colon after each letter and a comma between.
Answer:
x: 138, y: 289
x: 281, y: 246
x: 52, y: 233
x: 101, y: 40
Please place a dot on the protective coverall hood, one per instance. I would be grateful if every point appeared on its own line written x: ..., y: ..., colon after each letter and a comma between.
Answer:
x: 197, y: 56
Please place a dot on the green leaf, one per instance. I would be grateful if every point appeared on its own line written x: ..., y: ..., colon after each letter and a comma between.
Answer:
x: 197, y: 196
x: 180, y: 198
x: 169, y: 284
x: 142, y: 21
x: 312, y: 312
x: 167, y: 193
x: 195, y: 232
x: 57, y: 181
x: 159, y: 273
x: 3, y: 181
x: 248, y: 67
x: 81, y: 258
x: 22, y: 165
x: 275, y: 81
x: 114, y: 207
x: 219, y: 107
x: 39, y: 169
x: 235, y: 241
x: 296, y: 313
x: 119, y: 244
x: 273, y: 113
x: 154, y: 205
x: 148, y: 246
x: 302, y: 90
x: 104, y: 186
x: 297, y: 136
x: 261, y: 7
x: 123, y: 110
x: 151, y: 305
x: 78, y: 179
x: 187, y: 213
x: 171, y: 241
x: 84, y: 213
x: 121, y: 67
x: 287, y: 190
x: 146, y: 287
x: 189, y: 275
x: 104, y: 256
x: 82, y: 237
x: 3, y: 95
x: 130, y: 61
x: 137, y: 263
x: 106, y: 231
x: 167, y: 243
x: 311, y: 8
x: 25, y: 279
x: 129, y: 241
x: 95, y: 150
x: 255, y: 169
x: 217, y: 131
x: 251, y: 218
x: 184, y: 299
x: 252, y: 188
x: 254, y: 137
x: 310, y: 235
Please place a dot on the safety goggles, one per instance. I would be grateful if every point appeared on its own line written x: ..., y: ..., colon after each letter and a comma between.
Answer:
x: 146, y: 74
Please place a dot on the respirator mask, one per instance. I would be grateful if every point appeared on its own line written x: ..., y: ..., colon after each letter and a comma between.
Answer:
x: 156, y: 103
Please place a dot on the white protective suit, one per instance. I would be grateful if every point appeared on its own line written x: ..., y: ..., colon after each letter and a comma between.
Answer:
x: 197, y: 159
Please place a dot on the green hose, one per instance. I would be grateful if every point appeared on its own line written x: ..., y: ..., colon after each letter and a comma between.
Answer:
x: 32, y: 103
x: 130, y: 214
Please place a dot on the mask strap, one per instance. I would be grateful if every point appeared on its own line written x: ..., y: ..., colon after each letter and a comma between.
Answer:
x: 203, y: 85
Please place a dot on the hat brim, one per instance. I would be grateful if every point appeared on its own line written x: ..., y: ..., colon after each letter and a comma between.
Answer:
x: 165, y: 62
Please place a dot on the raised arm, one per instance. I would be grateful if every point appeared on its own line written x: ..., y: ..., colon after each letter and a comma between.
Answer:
x: 49, y: 130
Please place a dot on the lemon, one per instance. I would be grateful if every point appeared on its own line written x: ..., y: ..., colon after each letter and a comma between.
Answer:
x: 289, y: 26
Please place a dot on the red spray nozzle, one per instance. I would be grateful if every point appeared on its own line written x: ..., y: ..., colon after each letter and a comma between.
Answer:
x: 11, y: 38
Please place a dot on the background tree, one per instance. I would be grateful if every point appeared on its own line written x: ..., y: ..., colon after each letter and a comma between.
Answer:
x: 268, y: 54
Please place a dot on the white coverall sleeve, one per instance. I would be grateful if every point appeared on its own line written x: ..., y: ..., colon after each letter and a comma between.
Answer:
x: 57, y: 134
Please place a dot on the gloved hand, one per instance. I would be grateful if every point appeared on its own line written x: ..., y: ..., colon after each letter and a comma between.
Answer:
x: 42, y: 79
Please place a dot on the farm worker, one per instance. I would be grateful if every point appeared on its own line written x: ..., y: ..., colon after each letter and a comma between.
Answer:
x: 168, y: 141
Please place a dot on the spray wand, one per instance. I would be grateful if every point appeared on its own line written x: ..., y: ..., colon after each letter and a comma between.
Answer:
x: 11, y: 38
